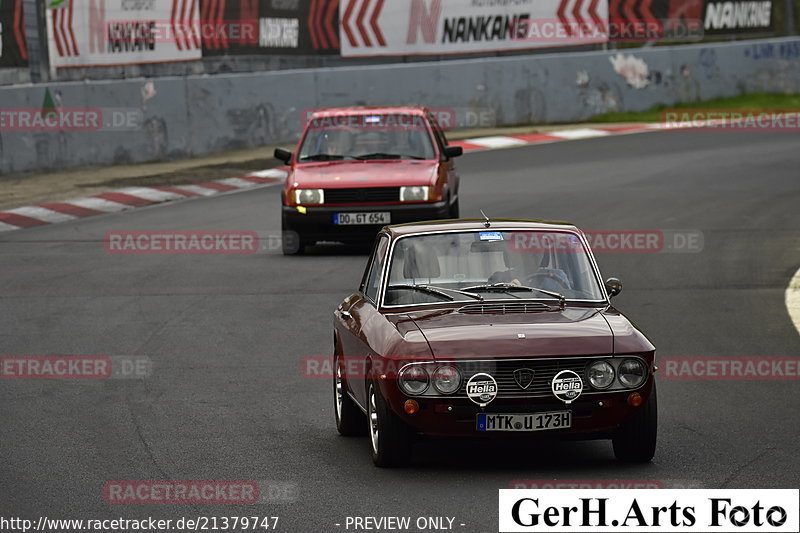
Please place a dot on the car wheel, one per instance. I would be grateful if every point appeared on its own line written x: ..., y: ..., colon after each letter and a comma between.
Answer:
x: 390, y: 439
x: 349, y: 418
x: 298, y: 248
x: 455, y: 211
x: 635, y: 440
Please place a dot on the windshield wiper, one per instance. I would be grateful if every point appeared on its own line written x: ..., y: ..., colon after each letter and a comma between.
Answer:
x: 323, y: 157
x: 423, y: 288
x: 377, y: 155
x: 434, y: 289
x: 384, y: 155
x: 504, y: 287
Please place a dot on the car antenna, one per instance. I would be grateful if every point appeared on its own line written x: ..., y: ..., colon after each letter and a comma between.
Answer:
x: 487, y: 223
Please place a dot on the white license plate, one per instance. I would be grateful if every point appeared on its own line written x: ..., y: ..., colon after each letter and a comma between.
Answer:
x: 525, y: 422
x: 357, y: 219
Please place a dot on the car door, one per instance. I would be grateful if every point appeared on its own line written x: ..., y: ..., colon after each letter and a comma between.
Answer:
x: 447, y: 169
x: 363, y: 309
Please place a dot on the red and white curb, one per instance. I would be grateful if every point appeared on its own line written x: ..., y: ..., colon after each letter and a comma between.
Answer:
x: 129, y: 198
x: 133, y: 197
x: 511, y: 141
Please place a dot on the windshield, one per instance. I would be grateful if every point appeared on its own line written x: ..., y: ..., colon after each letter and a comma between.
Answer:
x: 390, y: 136
x: 493, y: 264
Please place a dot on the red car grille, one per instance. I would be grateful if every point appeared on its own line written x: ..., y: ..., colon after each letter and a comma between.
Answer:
x: 364, y: 195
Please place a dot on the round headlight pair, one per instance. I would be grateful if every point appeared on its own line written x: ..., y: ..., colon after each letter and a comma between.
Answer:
x: 631, y: 373
x: 414, y: 379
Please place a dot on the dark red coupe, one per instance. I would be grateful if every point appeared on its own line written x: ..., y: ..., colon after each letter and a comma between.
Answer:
x: 487, y: 328
x: 358, y: 169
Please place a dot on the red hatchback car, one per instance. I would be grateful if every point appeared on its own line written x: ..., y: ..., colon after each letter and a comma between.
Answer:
x: 478, y: 328
x: 358, y: 169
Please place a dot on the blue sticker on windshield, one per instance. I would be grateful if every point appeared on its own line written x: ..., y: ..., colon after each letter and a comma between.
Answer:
x: 491, y: 236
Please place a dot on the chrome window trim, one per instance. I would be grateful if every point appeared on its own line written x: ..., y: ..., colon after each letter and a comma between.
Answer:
x: 365, y: 278
x: 576, y: 232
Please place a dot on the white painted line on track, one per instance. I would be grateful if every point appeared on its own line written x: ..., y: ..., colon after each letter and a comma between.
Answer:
x: 7, y: 227
x: 239, y: 183
x: 269, y: 173
x: 497, y: 142
x: 203, y: 191
x: 793, y: 300
x: 42, y: 213
x: 148, y: 193
x: 99, y: 204
x: 579, y: 133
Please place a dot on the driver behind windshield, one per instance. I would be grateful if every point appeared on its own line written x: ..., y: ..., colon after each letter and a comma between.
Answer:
x: 531, y: 268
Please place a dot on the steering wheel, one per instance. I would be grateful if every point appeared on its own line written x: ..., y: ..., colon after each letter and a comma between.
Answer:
x: 545, y: 275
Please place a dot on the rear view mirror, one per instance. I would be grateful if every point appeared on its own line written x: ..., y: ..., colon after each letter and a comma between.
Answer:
x: 453, y: 151
x: 613, y: 287
x: 283, y: 155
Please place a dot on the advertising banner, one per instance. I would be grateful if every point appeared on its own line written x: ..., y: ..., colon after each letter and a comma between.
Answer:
x: 13, y: 50
x: 88, y: 33
x: 246, y: 27
x: 437, y: 27
x: 738, y: 17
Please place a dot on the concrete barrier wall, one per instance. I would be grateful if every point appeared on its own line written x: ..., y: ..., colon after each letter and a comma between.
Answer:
x: 184, y: 116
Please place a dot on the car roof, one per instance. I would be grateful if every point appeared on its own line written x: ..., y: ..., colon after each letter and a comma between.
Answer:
x: 368, y: 110
x: 477, y: 224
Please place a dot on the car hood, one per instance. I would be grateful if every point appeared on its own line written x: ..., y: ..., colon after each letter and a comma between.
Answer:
x: 345, y: 174
x: 573, y: 331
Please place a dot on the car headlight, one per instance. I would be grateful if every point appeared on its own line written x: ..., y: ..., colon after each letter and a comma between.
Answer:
x: 446, y: 379
x: 632, y: 373
x: 414, y: 379
x: 309, y: 196
x: 414, y: 194
x: 601, y: 374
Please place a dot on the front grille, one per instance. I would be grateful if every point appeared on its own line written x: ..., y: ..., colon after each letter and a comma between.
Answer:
x: 502, y: 370
x: 364, y: 195
x: 503, y: 308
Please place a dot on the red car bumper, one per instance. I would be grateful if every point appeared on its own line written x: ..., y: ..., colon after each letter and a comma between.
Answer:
x: 594, y: 415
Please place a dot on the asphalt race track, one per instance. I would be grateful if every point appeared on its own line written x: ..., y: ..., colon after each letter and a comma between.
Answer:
x: 226, y: 399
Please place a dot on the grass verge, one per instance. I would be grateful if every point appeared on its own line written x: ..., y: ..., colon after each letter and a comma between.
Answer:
x: 745, y: 101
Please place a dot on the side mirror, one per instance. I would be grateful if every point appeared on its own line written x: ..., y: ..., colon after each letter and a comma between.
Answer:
x: 453, y: 151
x: 283, y: 155
x: 613, y: 287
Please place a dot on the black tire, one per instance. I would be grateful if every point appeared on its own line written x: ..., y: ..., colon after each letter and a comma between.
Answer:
x: 635, y: 440
x: 391, y: 446
x: 299, y: 249
x: 350, y: 419
x: 455, y: 210
x: 292, y: 243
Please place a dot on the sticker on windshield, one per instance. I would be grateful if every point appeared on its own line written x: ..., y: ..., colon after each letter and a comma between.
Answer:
x: 491, y: 236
